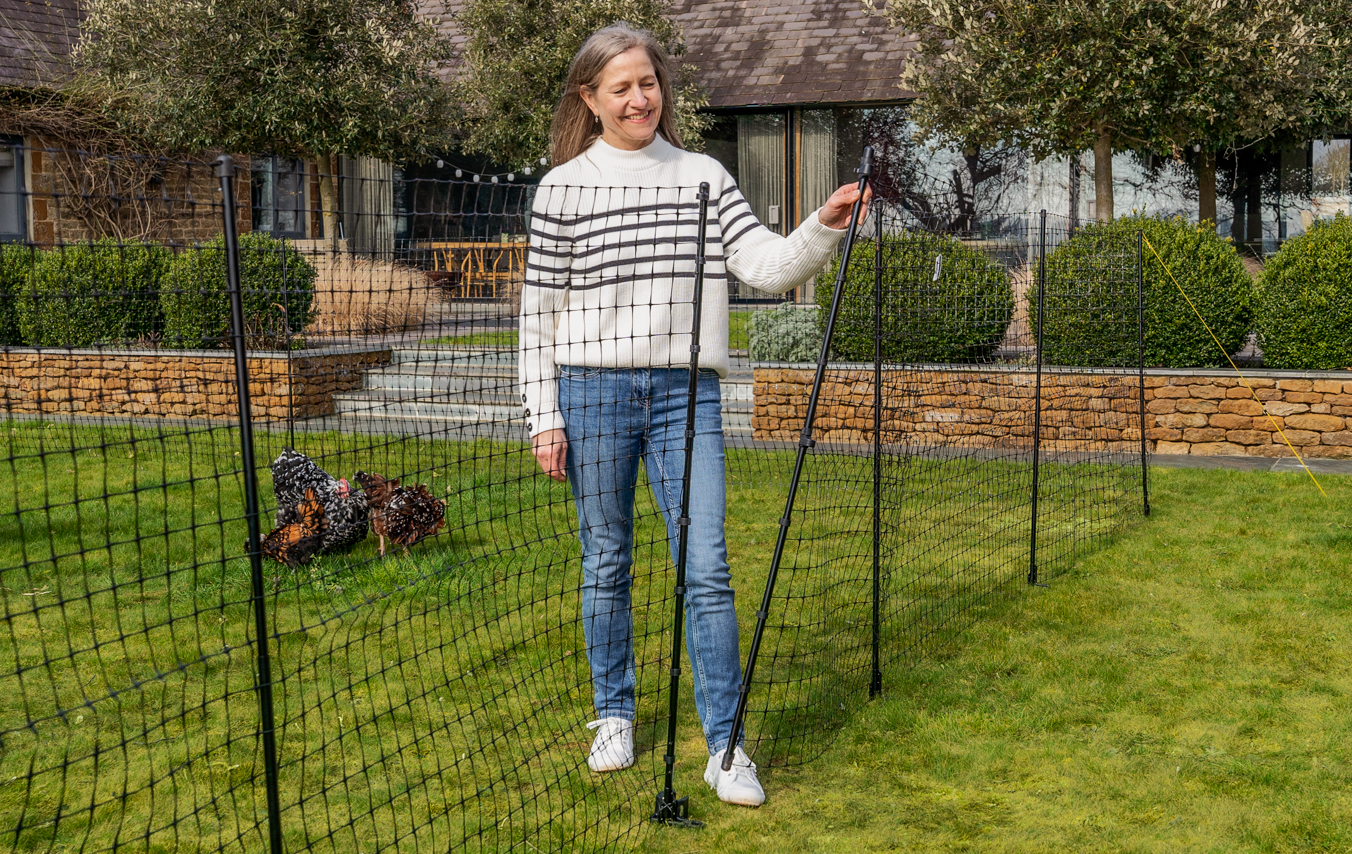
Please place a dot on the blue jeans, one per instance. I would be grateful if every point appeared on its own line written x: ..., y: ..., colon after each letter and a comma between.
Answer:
x: 615, y: 418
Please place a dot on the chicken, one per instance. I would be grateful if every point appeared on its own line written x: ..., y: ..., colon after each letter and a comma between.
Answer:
x: 345, y: 509
x: 405, y: 514
x: 297, y: 541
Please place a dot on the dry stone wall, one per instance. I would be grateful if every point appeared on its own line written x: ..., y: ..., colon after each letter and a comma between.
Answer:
x: 180, y: 384
x: 1211, y: 414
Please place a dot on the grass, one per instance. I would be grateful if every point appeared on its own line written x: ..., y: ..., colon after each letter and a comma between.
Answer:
x: 441, y: 697
x: 737, y: 337
x: 1186, y: 688
x: 506, y: 338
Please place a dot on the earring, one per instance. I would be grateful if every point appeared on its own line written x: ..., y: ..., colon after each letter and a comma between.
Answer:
x: 597, y: 116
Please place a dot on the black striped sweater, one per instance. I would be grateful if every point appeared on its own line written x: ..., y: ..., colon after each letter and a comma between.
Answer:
x: 611, y: 269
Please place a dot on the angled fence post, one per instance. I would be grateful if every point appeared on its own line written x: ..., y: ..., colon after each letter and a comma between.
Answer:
x: 1037, y: 394
x: 225, y: 170
x: 875, y: 686
x: 805, y: 441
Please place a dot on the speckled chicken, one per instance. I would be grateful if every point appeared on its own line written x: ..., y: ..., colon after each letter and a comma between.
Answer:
x: 405, y: 514
x: 345, y: 509
x: 297, y: 541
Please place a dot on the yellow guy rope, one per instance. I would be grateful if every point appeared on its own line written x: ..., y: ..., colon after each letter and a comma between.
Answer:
x: 1233, y: 365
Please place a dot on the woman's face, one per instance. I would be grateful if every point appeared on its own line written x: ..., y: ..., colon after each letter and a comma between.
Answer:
x: 628, y: 100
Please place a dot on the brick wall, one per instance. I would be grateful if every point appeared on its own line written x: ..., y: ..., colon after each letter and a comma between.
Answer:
x: 1189, y: 412
x: 182, y: 384
x: 183, y: 207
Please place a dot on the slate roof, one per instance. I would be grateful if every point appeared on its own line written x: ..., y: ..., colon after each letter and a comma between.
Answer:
x: 35, y: 38
x: 763, y: 52
x: 751, y: 52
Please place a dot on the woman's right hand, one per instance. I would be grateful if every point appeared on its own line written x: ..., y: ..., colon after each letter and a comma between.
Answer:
x: 551, y: 452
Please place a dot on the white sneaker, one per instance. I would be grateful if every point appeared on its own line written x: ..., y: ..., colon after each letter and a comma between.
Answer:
x: 613, y: 747
x: 738, y: 785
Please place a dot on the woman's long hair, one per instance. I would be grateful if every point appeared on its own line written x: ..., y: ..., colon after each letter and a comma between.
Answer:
x: 574, y: 127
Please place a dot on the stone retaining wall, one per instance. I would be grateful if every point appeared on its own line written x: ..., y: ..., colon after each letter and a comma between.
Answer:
x: 1187, y: 412
x: 180, y: 384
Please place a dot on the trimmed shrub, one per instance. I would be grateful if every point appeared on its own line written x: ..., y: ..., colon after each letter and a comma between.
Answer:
x: 91, y: 294
x: 1304, y: 304
x: 960, y: 317
x: 15, y: 261
x: 784, y: 334
x: 277, y: 288
x: 1090, y: 317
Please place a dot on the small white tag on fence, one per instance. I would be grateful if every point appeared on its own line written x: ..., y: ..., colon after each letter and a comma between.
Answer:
x: 938, y: 266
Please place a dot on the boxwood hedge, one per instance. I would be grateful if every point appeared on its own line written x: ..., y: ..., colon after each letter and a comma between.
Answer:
x: 1090, y: 314
x: 89, y: 294
x: 15, y: 261
x: 959, y: 317
x: 1304, y: 314
x: 277, y: 287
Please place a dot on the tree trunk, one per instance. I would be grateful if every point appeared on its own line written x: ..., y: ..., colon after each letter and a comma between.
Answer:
x: 1253, y: 230
x: 328, y: 197
x: 1103, y: 176
x: 1206, y: 187
x: 1073, y: 185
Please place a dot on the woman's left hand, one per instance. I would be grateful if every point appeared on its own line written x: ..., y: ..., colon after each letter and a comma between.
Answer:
x: 836, y: 212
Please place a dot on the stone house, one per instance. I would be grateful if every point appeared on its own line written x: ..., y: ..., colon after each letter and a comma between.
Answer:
x: 795, y: 91
x: 55, y: 187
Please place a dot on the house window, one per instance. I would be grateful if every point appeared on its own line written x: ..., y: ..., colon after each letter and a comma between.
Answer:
x: 1329, y: 161
x: 279, y: 196
x: 13, y: 204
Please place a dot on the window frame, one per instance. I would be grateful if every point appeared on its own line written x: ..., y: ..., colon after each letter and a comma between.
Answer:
x: 16, y: 144
x: 270, y: 163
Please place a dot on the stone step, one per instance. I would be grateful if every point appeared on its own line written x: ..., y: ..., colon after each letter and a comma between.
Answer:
x: 478, y: 357
x: 740, y: 370
x: 460, y: 392
x: 475, y: 409
x: 440, y: 377
x: 442, y: 380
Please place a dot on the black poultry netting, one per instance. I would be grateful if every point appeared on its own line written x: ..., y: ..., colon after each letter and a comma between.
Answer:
x: 951, y: 463
x: 349, y: 611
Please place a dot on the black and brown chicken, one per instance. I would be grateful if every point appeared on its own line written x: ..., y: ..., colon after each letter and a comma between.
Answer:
x: 405, y: 514
x: 298, y: 540
x: 345, y: 509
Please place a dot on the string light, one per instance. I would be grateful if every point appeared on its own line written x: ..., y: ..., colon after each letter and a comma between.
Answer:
x: 507, y: 177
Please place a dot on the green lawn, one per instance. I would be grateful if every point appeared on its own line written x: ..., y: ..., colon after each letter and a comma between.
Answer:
x: 1187, y: 688
x: 441, y: 697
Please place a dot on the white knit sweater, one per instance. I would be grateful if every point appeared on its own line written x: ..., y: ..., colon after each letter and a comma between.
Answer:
x: 611, y: 270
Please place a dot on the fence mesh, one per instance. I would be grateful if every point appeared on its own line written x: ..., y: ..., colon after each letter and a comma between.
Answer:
x: 439, y: 645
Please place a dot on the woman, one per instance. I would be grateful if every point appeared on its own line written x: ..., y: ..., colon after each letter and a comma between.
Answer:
x: 606, y: 321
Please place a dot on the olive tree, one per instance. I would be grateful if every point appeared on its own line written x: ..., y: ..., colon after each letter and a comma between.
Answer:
x: 302, y: 78
x: 1144, y: 75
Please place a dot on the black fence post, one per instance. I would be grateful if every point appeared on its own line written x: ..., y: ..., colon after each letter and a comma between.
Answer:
x: 671, y: 809
x: 225, y: 170
x: 875, y: 686
x: 1037, y: 394
x: 1140, y: 368
x: 805, y: 441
